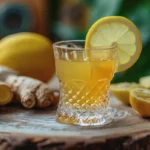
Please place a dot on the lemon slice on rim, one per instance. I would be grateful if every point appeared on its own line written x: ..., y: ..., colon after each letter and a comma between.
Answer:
x: 140, y: 101
x: 119, y: 31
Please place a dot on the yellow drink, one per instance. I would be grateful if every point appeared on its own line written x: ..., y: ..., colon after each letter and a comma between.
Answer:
x: 85, y: 76
x: 84, y: 85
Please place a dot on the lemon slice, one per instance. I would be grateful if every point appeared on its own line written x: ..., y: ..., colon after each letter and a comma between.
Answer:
x: 119, y: 31
x: 140, y: 101
x: 145, y: 81
x: 121, y: 90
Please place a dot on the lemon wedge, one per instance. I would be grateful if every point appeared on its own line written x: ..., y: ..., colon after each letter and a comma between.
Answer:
x: 121, y: 90
x: 145, y: 81
x: 140, y: 101
x: 118, y: 31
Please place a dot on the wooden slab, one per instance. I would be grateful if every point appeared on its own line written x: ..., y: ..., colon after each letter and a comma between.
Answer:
x: 38, y: 127
x: 42, y: 123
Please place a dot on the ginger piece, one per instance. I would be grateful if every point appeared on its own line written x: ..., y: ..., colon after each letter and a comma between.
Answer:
x: 6, y: 94
x: 28, y: 91
x: 21, y: 89
x: 44, y: 96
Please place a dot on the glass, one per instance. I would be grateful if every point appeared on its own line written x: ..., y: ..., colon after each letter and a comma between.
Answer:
x: 85, y: 76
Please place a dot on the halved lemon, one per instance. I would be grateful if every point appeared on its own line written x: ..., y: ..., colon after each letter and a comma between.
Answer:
x: 121, y: 90
x: 140, y: 101
x: 116, y: 31
x: 145, y: 81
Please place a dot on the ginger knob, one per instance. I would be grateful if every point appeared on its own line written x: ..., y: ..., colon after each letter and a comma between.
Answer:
x: 28, y: 91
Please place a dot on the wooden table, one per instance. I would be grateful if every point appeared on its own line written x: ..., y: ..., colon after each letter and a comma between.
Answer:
x: 38, y: 130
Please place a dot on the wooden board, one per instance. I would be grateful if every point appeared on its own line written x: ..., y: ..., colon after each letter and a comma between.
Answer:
x: 38, y: 128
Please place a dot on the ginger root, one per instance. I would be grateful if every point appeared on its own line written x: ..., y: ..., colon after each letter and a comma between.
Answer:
x: 6, y: 94
x: 28, y: 91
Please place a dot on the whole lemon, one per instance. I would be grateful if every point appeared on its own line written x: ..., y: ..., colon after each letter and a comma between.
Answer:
x: 31, y: 54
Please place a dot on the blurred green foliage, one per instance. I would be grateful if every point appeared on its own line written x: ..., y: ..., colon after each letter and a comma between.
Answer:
x: 137, y: 11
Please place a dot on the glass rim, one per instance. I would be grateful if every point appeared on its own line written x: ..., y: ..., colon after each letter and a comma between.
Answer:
x: 58, y: 45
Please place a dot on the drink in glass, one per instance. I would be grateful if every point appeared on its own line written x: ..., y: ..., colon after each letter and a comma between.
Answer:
x: 85, y: 76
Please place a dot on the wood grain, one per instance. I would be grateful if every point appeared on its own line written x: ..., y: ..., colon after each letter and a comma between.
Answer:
x: 37, y: 129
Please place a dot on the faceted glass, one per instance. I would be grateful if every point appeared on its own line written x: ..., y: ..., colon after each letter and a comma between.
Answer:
x: 85, y: 76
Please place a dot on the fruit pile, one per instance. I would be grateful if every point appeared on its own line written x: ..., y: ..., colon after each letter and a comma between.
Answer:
x: 135, y: 94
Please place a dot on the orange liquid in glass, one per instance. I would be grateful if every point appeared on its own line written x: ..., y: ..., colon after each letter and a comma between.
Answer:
x: 84, y: 84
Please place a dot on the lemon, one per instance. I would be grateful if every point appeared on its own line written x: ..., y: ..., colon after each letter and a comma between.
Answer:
x: 145, y: 81
x: 140, y: 101
x: 121, y: 91
x: 116, y: 31
x: 31, y: 54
